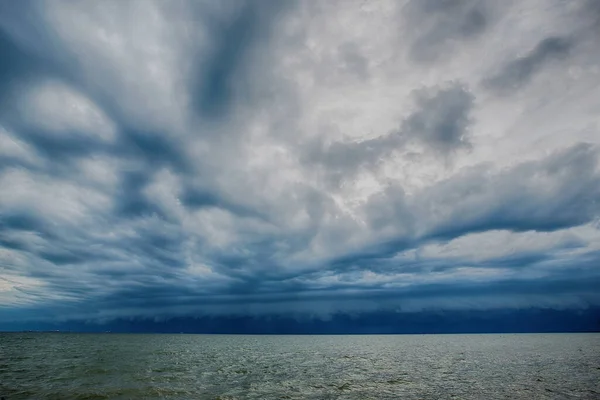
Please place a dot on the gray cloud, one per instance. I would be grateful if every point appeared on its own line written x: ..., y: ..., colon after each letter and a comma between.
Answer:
x: 440, y: 123
x: 442, y: 119
x: 189, y: 167
x: 556, y: 193
x: 235, y: 38
x: 519, y: 72
x: 439, y: 24
x: 354, y: 61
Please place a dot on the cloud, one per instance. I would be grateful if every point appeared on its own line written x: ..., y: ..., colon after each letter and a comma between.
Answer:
x: 14, y: 151
x: 440, y: 123
x: 223, y: 69
x: 558, y: 192
x: 442, y: 120
x: 55, y: 109
x: 246, y: 158
x: 442, y: 23
x: 520, y: 71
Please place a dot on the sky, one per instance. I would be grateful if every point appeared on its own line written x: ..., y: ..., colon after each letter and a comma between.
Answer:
x: 248, y: 158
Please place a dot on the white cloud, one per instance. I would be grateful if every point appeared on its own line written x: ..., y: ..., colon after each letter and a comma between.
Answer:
x: 138, y: 54
x: 58, y: 109
x: 100, y: 171
x: 493, y: 244
x: 59, y: 201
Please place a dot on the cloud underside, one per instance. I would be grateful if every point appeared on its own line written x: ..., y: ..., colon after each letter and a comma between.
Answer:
x: 248, y: 158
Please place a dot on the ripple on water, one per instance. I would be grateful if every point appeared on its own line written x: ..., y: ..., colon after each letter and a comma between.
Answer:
x: 88, y: 366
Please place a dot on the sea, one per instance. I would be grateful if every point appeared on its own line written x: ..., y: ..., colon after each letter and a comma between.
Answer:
x: 181, y: 366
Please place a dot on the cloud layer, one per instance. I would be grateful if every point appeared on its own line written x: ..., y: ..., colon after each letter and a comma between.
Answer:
x: 258, y: 157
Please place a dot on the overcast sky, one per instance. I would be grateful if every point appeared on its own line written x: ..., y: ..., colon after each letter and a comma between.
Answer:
x: 172, y: 158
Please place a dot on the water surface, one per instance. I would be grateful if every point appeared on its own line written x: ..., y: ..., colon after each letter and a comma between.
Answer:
x: 115, y: 366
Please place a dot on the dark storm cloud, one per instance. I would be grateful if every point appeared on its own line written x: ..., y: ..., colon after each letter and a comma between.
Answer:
x: 195, y: 198
x: 32, y: 55
x: 19, y: 221
x: 555, y: 193
x: 30, y: 51
x: 518, y: 200
x: 215, y: 87
x: 16, y: 63
x: 153, y: 228
x: 147, y: 298
x: 19, y: 63
x: 562, y: 167
x: 59, y: 149
x: 131, y: 201
x: 397, y: 260
x: 234, y: 40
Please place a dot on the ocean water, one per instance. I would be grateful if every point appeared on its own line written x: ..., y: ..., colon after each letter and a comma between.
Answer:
x: 115, y: 366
